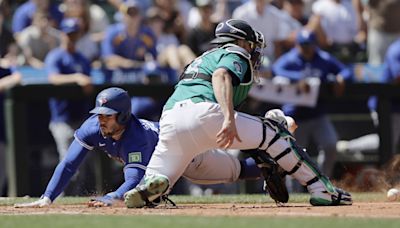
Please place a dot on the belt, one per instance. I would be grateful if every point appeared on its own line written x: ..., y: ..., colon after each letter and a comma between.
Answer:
x: 194, y: 76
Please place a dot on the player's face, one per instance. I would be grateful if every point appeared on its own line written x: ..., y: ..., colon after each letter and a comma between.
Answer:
x: 108, y: 125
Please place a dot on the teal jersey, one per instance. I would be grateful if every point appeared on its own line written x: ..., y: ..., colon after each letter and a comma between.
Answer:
x: 230, y: 57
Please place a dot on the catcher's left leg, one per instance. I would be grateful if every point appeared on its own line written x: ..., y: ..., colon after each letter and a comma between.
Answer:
x: 296, y: 162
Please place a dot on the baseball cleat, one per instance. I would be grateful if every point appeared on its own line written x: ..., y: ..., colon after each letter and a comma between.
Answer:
x: 325, y: 198
x: 143, y: 195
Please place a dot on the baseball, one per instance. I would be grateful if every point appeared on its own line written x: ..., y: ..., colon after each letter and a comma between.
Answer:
x: 393, y: 194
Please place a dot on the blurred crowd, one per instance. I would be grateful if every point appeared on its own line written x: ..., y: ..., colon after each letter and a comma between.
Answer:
x: 170, y: 33
x: 163, y: 36
x: 151, y: 41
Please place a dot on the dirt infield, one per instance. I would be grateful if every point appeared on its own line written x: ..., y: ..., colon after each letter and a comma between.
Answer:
x: 362, y: 209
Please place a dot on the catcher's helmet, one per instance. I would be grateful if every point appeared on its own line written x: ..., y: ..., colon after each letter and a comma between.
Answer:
x: 114, y: 100
x: 232, y: 30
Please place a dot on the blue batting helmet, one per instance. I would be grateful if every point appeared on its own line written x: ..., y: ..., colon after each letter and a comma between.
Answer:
x: 232, y: 30
x: 114, y: 100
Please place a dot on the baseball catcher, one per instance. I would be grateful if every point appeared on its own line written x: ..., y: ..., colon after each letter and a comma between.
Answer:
x: 200, y: 115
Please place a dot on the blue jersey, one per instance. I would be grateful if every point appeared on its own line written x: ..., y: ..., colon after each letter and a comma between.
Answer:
x: 323, y: 66
x: 118, y: 42
x: 24, y: 14
x: 59, y: 61
x: 134, y: 150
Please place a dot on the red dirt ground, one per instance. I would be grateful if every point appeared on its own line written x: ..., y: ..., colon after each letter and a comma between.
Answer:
x: 361, y: 209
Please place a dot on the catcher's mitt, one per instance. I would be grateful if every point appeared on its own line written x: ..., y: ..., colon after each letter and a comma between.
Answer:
x: 274, y: 176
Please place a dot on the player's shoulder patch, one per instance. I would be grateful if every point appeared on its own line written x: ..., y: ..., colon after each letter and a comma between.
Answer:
x: 238, y: 67
x: 135, y: 157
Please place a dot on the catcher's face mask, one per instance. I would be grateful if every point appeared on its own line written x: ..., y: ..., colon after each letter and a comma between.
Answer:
x: 257, y: 54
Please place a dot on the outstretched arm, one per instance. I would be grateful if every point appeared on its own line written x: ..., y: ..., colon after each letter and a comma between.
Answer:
x: 65, y: 170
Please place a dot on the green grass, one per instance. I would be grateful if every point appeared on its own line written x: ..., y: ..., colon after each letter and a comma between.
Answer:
x: 145, y: 221
x: 164, y: 221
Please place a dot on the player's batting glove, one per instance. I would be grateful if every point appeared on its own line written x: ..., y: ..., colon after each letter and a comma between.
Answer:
x: 103, y: 201
x: 44, y: 201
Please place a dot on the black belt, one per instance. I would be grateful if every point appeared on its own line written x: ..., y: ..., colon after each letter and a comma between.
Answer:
x: 194, y: 76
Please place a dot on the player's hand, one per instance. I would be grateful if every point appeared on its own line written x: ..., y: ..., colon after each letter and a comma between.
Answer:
x: 42, y: 202
x: 103, y: 201
x: 227, y: 134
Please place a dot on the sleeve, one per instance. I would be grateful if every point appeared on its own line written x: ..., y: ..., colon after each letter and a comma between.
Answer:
x: 282, y: 68
x: 107, y: 47
x: 20, y: 20
x: 235, y: 64
x: 86, y: 134
x: 65, y: 170
x: 132, y: 178
x: 51, y: 64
